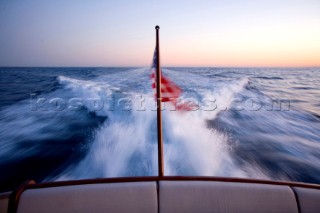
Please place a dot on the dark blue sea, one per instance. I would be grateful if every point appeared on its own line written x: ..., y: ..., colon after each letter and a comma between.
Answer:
x: 78, y: 123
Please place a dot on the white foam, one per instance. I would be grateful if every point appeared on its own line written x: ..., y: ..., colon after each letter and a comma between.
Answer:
x: 190, y: 146
x: 90, y: 90
x: 193, y: 144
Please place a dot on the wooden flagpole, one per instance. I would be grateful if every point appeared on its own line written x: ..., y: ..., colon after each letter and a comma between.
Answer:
x: 159, y: 110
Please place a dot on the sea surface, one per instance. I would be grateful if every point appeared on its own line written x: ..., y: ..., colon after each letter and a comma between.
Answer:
x: 78, y: 123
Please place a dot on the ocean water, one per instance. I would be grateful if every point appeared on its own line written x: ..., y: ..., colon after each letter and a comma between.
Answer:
x: 76, y: 123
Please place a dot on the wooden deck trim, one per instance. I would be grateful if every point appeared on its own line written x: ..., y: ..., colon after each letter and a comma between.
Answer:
x: 16, y: 194
x: 170, y: 178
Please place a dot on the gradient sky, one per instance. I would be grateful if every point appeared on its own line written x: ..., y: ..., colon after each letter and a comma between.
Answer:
x: 192, y: 33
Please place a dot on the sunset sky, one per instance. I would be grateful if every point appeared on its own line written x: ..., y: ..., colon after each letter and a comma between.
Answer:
x: 192, y: 33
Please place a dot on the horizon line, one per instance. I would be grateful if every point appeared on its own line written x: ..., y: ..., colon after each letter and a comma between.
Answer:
x: 167, y: 66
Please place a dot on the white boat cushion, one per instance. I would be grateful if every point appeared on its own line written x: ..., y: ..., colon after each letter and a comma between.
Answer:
x: 109, y: 197
x: 309, y: 199
x: 4, y: 201
x: 205, y: 196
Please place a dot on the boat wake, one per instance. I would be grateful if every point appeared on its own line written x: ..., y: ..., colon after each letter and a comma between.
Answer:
x: 126, y: 144
x: 101, y: 122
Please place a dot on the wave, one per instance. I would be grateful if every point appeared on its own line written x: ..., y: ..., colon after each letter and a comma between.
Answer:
x: 99, y: 140
x: 269, y: 78
x: 126, y: 145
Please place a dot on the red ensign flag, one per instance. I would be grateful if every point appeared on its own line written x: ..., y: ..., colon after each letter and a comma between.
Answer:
x: 170, y: 92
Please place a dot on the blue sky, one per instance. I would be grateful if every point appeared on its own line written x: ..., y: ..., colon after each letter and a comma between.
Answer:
x: 193, y: 33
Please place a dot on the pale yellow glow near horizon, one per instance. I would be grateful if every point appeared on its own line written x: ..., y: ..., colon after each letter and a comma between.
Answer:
x: 278, y: 46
